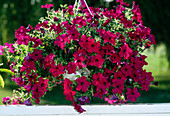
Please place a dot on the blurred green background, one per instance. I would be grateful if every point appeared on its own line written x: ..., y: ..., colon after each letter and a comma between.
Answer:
x: 156, y: 15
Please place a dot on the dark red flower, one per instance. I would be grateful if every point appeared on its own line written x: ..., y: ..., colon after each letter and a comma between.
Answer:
x: 93, y: 46
x: 39, y: 89
x: 119, y: 76
x: 44, y: 24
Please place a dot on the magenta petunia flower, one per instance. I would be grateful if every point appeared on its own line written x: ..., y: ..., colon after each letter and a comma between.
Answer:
x: 125, y: 51
x: 1, y: 50
x: 61, y: 41
x: 57, y: 28
x: 56, y: 70
x: 10, y: 47
x: 93, y: 46
x: 118, y: 86
x: 22, y: 36
x: 36, y: 55
x: 132, y: 94
x: 68, y: 92
x: 28, y: 66
x: 39, y: 89
x: 47, y: 6
x: 78, y: 107
x: 71, y: 67
x: 70, y: 10
x: 31, y: 77
x: 6, y: 100
x: 80, y: 21
x: 83, y: 84
x: 49, y: 60
x: 73, y: 34
x: 109, y: 37
x: 96, y: 60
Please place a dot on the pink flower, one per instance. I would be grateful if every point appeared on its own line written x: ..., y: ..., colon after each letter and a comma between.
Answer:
x: 49, y: 60
x: 111, y: 99
x: 109, y: 37
x: 6, y: 100
x: 70, y: 10
x: 31, y: 77
x: 10, y: 47
x: 93, y: 46
x: 47, y: 6
x: 44, y: 24
x: 1, y: 50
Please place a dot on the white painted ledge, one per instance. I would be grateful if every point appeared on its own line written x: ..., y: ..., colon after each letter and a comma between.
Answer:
x: 162, y: 109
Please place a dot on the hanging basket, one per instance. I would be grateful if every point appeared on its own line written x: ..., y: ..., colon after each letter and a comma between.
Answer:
x: 92, y: 52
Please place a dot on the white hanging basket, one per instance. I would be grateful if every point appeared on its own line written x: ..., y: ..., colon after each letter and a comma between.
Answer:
x: 162, y: 109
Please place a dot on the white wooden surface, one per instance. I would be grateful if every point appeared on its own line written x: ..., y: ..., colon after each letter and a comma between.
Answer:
x: 162, y: 109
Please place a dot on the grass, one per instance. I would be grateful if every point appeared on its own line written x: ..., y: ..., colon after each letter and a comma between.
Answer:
x: 157, y: 64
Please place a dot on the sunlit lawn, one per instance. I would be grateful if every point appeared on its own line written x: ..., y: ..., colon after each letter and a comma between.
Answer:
x: 157, y: 64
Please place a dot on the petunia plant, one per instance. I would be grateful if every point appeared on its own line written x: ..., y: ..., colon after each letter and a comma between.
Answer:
x: 91, y: 52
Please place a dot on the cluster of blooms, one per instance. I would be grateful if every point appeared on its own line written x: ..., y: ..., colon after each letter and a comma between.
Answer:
x: 95, y: 54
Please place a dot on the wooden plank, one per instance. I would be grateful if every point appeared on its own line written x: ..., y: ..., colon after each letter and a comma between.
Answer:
x: 162, y: 109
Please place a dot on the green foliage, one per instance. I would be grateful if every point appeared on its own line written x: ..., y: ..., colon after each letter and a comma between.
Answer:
x: 6, y: 71
x: 1, y: 82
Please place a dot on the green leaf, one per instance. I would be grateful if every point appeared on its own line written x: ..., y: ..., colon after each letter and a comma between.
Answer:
x: 6, y: 70
x: 1, y: 81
